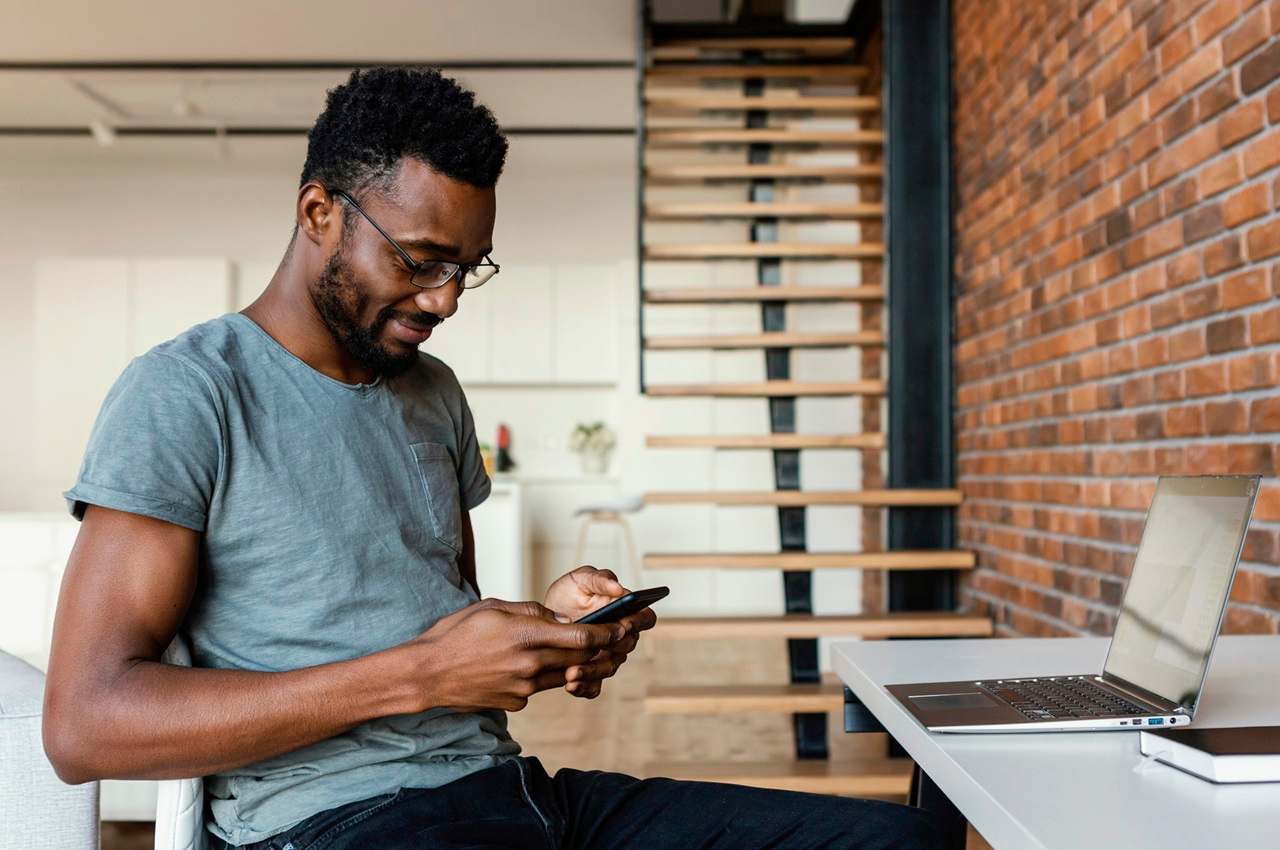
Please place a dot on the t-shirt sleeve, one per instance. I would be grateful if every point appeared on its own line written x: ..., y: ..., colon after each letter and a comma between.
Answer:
x: 156, y: 446
x: 473, y: 481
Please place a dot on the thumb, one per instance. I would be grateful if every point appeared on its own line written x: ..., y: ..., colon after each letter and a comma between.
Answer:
x: 603, y: 583
x: 523, y: 609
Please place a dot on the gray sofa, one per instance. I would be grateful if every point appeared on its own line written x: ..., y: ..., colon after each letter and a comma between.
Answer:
x: 38, y: 811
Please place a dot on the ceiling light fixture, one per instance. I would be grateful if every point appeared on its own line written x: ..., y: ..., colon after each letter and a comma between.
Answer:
x: 103, y: 134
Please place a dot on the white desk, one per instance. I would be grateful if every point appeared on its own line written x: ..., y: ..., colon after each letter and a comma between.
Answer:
x: 1074, y: 790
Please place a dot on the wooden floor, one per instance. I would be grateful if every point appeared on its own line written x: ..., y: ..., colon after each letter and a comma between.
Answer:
x: 613, y: 733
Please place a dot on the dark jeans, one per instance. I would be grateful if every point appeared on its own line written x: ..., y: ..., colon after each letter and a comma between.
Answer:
x: 517, y: 805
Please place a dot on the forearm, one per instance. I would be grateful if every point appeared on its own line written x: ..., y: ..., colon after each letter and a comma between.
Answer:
x: 159, y: 721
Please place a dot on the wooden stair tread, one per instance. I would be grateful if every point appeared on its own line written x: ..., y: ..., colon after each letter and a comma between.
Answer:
x: 770, y: 389
x: 765, y: 441
x: 858, y: 778
x: 769, y: 339
x: 764, y: 293
x: 770, y: 71
x: 676, y: 136
x: 762, y: 171
x: 915, y: 624
x: 743, y: 250
x: 804, y: 44
x: 699, y: 102
x: 901, y: 497
x: 747, y: 209
x: 901, y: 559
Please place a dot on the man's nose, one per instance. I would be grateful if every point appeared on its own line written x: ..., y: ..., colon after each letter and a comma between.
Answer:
x: 442, y: 300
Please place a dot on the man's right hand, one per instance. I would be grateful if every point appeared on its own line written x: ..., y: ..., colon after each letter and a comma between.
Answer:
x: 496, y: 654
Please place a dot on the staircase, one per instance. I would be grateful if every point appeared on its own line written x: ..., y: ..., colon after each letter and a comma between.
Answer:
x: 753, y: 146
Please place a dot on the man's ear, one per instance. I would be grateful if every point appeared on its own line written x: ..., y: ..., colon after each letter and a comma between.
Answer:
x: 319, y: 216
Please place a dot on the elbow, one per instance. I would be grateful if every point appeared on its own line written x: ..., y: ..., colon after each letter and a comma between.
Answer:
x: 67, y: 745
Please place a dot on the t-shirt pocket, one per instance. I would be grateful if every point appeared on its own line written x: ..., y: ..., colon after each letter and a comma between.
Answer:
x: 440, y: 481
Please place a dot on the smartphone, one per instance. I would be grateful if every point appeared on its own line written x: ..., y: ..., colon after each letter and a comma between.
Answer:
x: 636, y: 600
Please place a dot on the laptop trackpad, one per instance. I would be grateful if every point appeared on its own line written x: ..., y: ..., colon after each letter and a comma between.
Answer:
x: 952, y: 702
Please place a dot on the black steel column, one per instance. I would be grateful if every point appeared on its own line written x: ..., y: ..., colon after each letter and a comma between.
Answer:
x: 810, y: 728
x: 917, y: 68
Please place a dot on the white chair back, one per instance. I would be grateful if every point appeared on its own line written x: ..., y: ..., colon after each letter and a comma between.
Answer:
x: 180, y: 802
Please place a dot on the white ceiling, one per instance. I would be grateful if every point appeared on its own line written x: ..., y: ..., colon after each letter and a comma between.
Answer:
x: 76, y: 32
x: 315, y: 30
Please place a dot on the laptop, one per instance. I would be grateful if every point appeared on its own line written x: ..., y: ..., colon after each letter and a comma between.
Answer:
x: 1164, y: 636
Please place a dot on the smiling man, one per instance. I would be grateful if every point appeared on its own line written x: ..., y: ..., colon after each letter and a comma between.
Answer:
x: 288, y: 489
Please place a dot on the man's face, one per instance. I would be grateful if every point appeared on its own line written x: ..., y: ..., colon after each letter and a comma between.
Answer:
x: 364, y: 294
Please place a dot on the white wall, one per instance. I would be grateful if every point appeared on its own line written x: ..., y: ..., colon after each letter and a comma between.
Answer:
x: 566, y: 222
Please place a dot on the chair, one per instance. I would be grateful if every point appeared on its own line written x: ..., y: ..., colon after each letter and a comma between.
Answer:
x: 610, y: 511
x: 38, y: 811
x: 179, y: 802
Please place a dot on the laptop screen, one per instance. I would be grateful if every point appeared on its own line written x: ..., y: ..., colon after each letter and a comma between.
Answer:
x: 1173, y: 604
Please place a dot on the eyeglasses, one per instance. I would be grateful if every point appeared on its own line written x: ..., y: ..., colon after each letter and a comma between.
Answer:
x: 431, y: 274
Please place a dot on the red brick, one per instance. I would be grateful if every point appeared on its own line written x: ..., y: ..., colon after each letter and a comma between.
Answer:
x: 1225, y: 417
x: 1185, y: 154
x: 1224, y: 254
x: 1264, y: 415
x: 1206, y: 379
x: 1245, y: 36
x: 1247, y: 287
x: 1250, y: 371
x: 1226, y: 334
x: 1214, y: 18
x: 1248, y: 203
x: 1264, y: 327
x: 1264, y: 240
x: 1240, y: 123
x: 1186, y: 421
x: 1219, y: 174
x: 1262, y: 153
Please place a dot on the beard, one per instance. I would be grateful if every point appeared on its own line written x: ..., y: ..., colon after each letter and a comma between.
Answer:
x: 341, y: 301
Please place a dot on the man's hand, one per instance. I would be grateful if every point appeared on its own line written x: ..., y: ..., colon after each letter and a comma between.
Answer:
x: 581, y: 592
x: 496, y: 654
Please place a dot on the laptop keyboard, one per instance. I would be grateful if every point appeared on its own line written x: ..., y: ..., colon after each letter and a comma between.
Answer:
x: 1063, y: 697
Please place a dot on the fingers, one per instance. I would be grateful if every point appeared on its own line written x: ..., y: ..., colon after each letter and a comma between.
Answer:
x: 579, y: 636
x: 520, y: 609
x: 594, y: 670
x: 640, y: 621
x: 585, y: 690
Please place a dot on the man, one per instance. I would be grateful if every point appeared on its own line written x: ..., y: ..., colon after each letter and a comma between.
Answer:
x: 288, y: 487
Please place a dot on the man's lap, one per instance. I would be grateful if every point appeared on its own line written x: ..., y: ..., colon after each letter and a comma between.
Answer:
x: 517, y: 805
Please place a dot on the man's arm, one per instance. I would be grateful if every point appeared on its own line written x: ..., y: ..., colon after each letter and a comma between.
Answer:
x: 113, y: 711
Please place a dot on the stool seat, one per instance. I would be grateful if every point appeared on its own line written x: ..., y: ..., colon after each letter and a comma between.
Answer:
x: 621, y: 505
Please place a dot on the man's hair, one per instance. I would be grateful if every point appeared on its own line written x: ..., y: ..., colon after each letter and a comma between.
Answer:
x: 382, y: 114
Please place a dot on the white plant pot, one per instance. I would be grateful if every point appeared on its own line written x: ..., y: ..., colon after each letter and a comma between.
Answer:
x: 594, y: 463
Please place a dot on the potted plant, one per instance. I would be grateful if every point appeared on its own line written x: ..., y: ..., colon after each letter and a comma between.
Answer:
x: 593, y: 442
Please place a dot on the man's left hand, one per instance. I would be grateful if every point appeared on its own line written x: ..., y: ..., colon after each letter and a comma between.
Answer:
x: 580, y: 592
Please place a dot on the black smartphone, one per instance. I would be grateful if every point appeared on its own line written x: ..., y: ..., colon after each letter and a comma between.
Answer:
x: 636, y: 600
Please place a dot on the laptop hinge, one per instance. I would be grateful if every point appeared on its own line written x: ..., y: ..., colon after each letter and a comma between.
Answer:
x: 1141, y: 694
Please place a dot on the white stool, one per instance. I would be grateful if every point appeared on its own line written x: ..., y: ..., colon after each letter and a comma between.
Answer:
x: 610, y: 511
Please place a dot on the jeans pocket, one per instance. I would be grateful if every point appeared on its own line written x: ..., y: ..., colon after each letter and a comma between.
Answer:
x: 319, y: 831
x: 440, y: 481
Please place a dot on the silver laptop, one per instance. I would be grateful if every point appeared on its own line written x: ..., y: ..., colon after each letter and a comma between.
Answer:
x: 1165, y: 632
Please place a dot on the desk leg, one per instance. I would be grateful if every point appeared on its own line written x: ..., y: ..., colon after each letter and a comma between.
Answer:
x: 928, y: 796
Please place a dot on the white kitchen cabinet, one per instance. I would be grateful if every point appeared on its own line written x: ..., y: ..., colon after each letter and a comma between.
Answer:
x: 167, y: 296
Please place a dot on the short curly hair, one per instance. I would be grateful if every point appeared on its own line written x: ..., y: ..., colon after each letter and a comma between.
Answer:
x: 382, y: 114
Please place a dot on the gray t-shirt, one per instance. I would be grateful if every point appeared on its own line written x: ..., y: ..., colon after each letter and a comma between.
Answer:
x: 331, y: 526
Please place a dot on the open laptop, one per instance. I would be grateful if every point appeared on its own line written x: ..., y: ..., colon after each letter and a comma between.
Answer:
x: 1165, y: 632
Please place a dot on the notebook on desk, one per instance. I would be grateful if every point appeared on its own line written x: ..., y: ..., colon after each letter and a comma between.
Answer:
x: 1159, y: 654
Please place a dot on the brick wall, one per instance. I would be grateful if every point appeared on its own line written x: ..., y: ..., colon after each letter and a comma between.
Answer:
x: 1117, y: 290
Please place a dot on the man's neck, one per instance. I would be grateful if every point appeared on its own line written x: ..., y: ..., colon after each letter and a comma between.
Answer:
x: 286, y: 312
